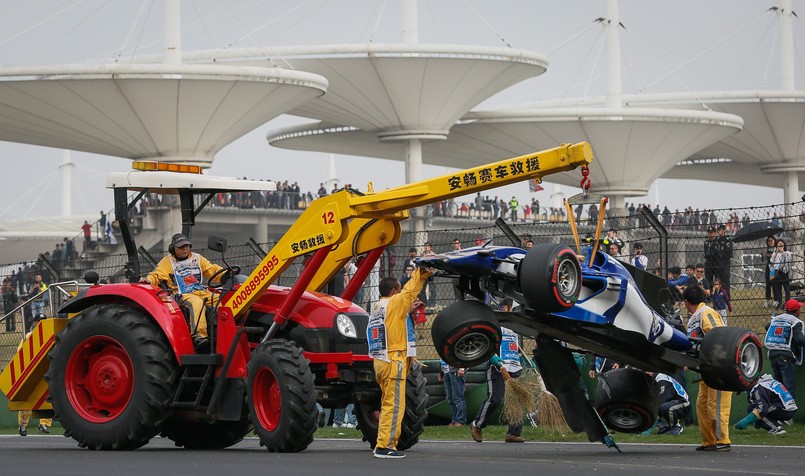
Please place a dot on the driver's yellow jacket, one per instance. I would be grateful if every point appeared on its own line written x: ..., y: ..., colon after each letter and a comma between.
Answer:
x: 165, y: 271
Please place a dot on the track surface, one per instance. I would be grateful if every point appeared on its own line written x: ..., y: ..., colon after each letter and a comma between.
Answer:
x: 57, y: 455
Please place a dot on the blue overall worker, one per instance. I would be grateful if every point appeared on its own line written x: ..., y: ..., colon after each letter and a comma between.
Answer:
x: 712, y: 406
x: 503, y: 366
x: 785, y: 341
x: 674, y: 404
x: 391, y: 342
x: 770, y: 404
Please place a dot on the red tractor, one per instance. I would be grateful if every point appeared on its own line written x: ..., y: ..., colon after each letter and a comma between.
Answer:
x: 121, y: 367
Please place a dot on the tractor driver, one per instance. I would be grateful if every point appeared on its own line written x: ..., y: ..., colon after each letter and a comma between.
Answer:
x: 183, y: 271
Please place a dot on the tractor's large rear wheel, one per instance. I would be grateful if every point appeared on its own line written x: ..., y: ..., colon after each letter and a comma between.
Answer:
x: 282, y: 397
x: 413, y: 424
x: 112, y: 375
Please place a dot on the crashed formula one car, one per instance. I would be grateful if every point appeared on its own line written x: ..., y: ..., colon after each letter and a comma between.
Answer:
x: 596, y: 305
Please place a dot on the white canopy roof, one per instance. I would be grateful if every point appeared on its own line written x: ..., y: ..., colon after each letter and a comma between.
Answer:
x: 396, y: 91
x: 180, y: 113
x: 633, y: 146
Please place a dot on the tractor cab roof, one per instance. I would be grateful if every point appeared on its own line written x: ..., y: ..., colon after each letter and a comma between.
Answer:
x: 167, y: 178
x: 186, y: 181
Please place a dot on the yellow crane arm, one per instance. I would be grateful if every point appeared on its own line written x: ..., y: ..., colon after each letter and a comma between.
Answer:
x: 328, y: 221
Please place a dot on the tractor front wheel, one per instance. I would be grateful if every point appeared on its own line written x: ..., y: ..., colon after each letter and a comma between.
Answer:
x: 111, y: 379
x: 281, y: 397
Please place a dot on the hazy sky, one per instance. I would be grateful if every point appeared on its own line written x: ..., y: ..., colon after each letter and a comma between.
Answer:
x: 679, y: 45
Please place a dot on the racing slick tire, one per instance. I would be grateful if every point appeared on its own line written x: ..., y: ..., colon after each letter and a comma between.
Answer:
x: 730, y: 358
x: 413, y: 424
x: 281, y: 397
x: 111, y: 379
x: 627, y: 400
x: 466, y: 333
x: 550, y: 278
x: 202, y: 435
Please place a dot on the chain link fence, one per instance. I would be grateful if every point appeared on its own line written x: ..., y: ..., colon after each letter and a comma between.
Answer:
x: 751, y: 294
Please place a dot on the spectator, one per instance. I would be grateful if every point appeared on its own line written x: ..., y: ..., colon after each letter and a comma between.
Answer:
x: 504, y: 208
x: 639, y: 260
x: 348, y: 272
x: 409, y: 271
x: 454, y: 380
x: 87, y: 229
x: 529, y: 243
x: 676, y: 282
x: 721, y: 300
x: 427, y: 250
x: 335, y: 287
x: 102, y: 222
x: 770, y: 248
x: 56, y: 257
x: 723, y: 254
x: 40, y: 304
x: 712, y: 406
x: 429, y: 291
x: 698, y: 279
x: 780, y: 273
x: 785, y: 340
x: 711, y: 259
x: 456, y: 243
x: 345, y: 417
x: 10, y: 301
x: 592, y: 214
x: 479, y: 205
x: 514, y: 206
x: 464, y: 210
x: 110, y: 233
x: 614, y: 250
x: 69, y: 252
x: 770, y: 404
x: 502, y: 366
x: 324, y: 415
x: 409, y: 261
x: 612, y: 237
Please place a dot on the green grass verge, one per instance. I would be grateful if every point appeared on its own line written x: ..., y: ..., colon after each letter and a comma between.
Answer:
x: 795, y: 435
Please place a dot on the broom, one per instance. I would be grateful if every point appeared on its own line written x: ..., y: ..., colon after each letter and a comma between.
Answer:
x: 548, y: 408
x: 519, y: 398
x: 527, y: 396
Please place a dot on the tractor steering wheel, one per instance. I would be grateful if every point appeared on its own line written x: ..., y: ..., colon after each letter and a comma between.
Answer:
x: 229, y: 272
